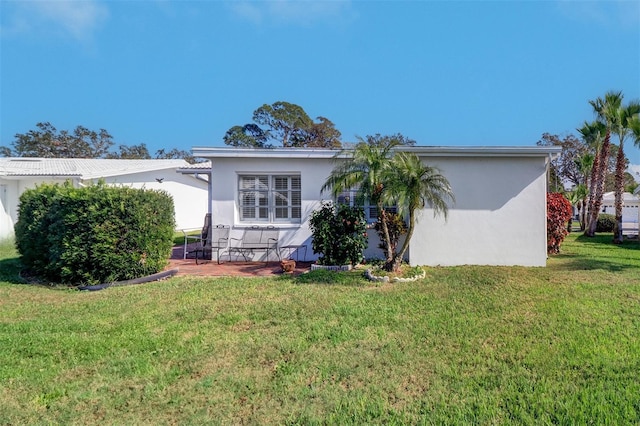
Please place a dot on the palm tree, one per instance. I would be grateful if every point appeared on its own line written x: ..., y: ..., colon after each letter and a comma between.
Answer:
x: 604, y: 109
x: 593, y: 134
x: 584, y: 165
x: 363, y: 169
x: 621, y: 126
x: 576, y: 198
x: 412, y: 185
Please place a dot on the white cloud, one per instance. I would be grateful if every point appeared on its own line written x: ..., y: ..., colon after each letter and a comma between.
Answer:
x: 77, y: 18
x: 298, y: 12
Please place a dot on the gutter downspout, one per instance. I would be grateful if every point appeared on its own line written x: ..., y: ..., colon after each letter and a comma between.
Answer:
x: 210, y: 205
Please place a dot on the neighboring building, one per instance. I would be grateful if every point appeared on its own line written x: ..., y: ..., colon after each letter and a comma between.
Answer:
x: 630, y: 204
x: 187, y: 184
x: 630, y: 210
x: 499, y: 217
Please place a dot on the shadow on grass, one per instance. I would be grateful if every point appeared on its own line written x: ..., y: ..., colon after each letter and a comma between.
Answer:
x: 607, y: 239
x: 10, y: 270
x: 579, y: 263
x: 345, y: 278
x: 599, y: 252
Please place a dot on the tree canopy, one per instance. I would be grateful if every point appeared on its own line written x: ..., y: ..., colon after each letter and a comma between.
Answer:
x: 47, y: 142
x: 284, y: 124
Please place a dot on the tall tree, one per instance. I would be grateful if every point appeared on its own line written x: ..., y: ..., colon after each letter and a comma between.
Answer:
x: 133, y: 152
x: 247, y: 136
x: 176, y: 154
x: 584, y: 163
x: 413, y: 185
x: 621, y: 126
x: 593, y: 134
x: 604, y: 109
x: 48, y: 142
x: 564, y: 166
x: 284, y: 124
x: 322, y: 134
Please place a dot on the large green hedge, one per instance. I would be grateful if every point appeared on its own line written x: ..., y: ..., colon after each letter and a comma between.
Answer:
x: 94, y: 234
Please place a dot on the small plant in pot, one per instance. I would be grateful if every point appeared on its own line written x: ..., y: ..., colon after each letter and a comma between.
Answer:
x: 339, y: 234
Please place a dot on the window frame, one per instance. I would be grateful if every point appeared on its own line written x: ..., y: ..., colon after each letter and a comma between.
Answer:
x: 268, y: 196
x: 349, y: 197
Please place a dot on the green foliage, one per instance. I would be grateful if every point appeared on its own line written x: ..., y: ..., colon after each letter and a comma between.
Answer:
x: 339, y: 234
x: 285, y: 124
x: 606, y: 222
x: 94, y: 234
x: 48, y: 142
x: 559, y: 211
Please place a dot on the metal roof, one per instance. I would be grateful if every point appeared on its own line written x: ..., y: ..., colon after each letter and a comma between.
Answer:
x: 83, y: 168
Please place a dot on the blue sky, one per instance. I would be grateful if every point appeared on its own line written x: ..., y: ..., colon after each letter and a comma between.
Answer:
x: 179, y: 74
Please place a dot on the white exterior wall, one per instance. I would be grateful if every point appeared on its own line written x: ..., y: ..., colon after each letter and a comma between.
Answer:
x: 189, y: 195
x: 8, y: 191
x: 12, y: 190
x: 224, y: 202
x: 499, y: 217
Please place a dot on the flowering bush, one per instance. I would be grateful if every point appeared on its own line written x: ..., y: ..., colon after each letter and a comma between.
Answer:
x: 339, y: 234
x: 559, y: 210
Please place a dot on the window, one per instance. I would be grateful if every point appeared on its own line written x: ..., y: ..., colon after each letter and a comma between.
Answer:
x: 270, y: 198
x: 370, y: 210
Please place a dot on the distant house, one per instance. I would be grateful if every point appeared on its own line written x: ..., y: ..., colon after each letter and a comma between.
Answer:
x: 187, y: 184
x: 499, y: 217
x: 630, y: 210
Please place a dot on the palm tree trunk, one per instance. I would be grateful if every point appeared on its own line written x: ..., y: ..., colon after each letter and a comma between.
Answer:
x: 592, y: 190
x: 394, y: 264
x: 619, y: 193
x: 599, y: 186
x: 385, y: 233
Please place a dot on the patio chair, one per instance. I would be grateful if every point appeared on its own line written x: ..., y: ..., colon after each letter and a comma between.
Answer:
x: 209, y: 239
x: 256, y: 238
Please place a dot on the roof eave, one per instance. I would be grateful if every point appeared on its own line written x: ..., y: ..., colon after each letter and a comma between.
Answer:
x: 431, y: 151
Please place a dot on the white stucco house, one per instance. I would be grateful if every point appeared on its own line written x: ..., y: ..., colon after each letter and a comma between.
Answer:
x: 187, y: 184
x: 499, y: 217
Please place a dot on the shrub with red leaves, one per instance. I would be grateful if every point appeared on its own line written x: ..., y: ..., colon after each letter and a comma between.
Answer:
x: 559, y: 210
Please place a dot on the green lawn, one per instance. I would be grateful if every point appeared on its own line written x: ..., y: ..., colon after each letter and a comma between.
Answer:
x: 488, y: 345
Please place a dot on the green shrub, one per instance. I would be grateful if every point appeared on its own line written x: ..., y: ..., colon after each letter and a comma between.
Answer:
x: 94, y: 234
x: 339, y: 234
x: 606, y: 222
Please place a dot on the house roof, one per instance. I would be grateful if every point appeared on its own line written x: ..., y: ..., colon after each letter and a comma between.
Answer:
x: 83, y: 168
x: 627, y: 197
x: 432, y: 151
x: 196, y: 168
